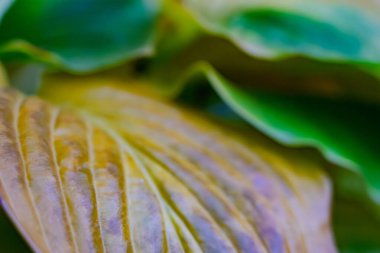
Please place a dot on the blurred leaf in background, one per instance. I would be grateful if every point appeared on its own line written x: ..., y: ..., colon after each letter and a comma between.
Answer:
x: 326, y: 30
x: 293, y: 75
x: 4, y: 5
x: 79, y: 36
x: 356, y: 219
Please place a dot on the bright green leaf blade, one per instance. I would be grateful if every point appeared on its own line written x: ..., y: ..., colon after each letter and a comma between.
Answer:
x: 335, y: 31
x: 79, y: 35
x: 346, y: 132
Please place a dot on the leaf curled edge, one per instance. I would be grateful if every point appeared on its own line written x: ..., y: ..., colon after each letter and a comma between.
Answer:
x: 112, y: 170
x: 323, y: 30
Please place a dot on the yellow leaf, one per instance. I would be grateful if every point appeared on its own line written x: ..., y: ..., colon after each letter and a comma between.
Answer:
x: 111, y: 169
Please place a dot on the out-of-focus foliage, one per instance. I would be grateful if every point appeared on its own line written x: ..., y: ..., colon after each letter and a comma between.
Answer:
x: 4, y: 5
x: 294, y: 75
x: 356, y: 229
x: 113, y: 169
x: 327, y: 30
x: 78, y: 36
x: 356, y: 219
x: 3, y: 77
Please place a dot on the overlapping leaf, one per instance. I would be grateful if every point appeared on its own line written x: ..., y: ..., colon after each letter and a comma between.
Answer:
x: 334, y: 30
x: 345, y: 131
x: 298, y: 102
x: 113, y: 170
x: 332, y: 107
x: 78, y: 36
x: 297, y: 75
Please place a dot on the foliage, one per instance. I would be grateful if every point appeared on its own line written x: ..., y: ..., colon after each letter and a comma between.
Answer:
x: 281, y: 93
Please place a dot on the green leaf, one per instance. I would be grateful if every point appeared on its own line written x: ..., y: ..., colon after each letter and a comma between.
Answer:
x: 356, y: 218
x: 355, y: 228
x: 4, y: 5
x: 346, y: 132
x: 25, y: 77
x: 326, y: 30
x: 295, y: 75
x: 79, y: 36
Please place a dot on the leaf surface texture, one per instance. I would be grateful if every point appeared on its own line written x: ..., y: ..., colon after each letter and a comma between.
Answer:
x: 113, y: 170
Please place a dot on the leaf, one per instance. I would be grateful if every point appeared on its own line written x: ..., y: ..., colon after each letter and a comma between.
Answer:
x: 294, y: 75
x: 79, y: 36
x: 4, y: 5
x: 293, y: 100
x: 345, y: 131
x: 341, y: 31
x: 3, y: 76
x: 355, y: 228
x: 25, y: 77
x: 356, y: 218
x: 115, y: 169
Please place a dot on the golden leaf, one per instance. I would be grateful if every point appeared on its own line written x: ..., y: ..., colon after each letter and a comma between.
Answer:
x: 111, y: 170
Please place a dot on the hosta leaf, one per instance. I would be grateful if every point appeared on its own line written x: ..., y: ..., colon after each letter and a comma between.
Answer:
x: 345, y: 131
x: 113, y: 170
x: 327, y: 30
x: 78, y: 36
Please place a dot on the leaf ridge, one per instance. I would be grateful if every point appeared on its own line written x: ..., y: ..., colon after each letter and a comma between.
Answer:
x: 16, y: 112
x: 53, y: 119
x: 125, y: 199
x: 98, y: 233
x: 124, y: 146
x: 212, y: 187
x: 161, y: 128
